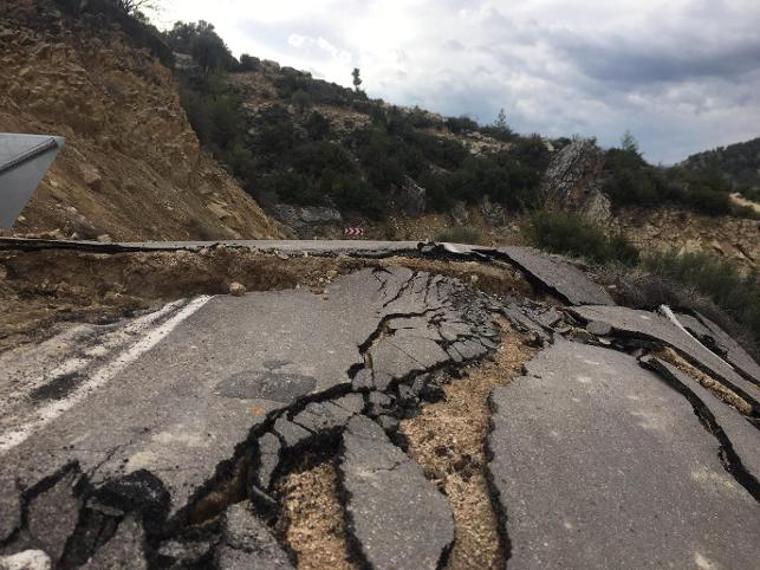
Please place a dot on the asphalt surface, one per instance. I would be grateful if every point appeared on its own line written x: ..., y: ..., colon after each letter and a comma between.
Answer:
x: 643, y: 324
x: 164, y: 419
x: 711, y: 335
x: 558, y: 275
x: 408, y: 524
x: 156, y: 441
x: 598, y: 463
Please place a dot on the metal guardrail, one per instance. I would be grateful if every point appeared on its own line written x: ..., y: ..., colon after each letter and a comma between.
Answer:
x: 30, y: 154
x: 24, y: 160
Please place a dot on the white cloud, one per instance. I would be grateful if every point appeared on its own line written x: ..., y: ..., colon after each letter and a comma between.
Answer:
x: 682, y: 75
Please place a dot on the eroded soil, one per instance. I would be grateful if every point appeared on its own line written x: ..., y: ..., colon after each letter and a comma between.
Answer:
x: 40, y: 290
x: 312, y: 520
x: 448, y: 439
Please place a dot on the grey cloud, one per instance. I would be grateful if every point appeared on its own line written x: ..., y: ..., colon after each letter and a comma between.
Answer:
x: 682, y: 83
x: 619, y: 60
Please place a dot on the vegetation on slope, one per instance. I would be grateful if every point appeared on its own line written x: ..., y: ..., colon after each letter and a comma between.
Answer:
x: 652, y: 278
x: 737, y: 164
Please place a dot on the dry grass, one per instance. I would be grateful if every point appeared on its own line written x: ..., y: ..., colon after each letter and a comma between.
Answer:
x: 312, y: 520
x: 448, y: 440
x: 719, y: 390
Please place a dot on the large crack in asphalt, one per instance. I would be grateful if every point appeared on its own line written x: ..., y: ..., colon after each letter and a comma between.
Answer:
x: 448, y: 439
x: 405, y: 407
x: 707, y: 416
x: 310, y: 422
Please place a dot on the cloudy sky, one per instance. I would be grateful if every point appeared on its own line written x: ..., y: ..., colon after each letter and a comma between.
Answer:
x: 682, y: 75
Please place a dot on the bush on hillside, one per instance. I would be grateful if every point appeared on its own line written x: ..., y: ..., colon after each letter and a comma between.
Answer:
x: 461, y: 125
x: 570, y: 234
x: 249, y: 63
x: 200, y: 40
x: 631, y: 181
x: 138, y: 31
x: 511, y: 178
x: 694, y: 281
x: 460, y: 234
x: 736, y: 293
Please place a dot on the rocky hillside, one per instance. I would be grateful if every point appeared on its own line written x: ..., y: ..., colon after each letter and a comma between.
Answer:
x: 132, y: 168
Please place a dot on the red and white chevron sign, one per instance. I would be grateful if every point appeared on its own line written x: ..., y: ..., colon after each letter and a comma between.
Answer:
x: 354, y: 232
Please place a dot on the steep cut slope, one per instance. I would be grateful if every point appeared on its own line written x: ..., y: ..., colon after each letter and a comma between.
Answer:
x: 132, y: 168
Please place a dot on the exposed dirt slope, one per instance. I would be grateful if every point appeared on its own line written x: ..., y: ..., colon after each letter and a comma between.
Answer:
x: 733, y: 238
x: 132, y: 168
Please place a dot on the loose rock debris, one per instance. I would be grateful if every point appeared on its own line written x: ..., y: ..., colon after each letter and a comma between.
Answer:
x: 344, y: 424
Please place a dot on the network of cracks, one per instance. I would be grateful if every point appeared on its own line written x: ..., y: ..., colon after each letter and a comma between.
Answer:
x: 465, y: 431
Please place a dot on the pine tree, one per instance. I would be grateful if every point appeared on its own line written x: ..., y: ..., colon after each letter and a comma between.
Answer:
x: 629, y: 143
x: 357, y: 78
x: 501, y: 120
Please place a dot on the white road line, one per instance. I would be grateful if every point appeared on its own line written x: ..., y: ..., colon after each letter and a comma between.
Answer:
x: 103, y: 375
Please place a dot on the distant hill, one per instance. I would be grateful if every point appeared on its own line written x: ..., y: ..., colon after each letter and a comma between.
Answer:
x: 738, y: 163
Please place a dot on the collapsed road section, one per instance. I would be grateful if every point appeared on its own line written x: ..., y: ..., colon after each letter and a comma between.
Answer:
x: 188, y: 436
x: 203, y: 419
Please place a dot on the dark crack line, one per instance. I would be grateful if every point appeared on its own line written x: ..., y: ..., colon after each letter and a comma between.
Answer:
x: 497, y: 504
x: 404, y: 286
x: 730, y: 460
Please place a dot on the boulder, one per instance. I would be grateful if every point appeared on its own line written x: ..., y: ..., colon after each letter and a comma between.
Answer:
x: 410, y: 198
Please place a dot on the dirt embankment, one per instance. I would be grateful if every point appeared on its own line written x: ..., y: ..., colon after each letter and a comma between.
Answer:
x: 40, y: 290
x: 737, y: 239
x: 132, y: 168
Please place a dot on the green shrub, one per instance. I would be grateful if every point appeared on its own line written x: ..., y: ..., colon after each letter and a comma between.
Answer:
x: 200, y: 40
x: 738, y: 294
x: 460, y: 234
x: 570, y: 234
x: 459, y: 125
x: 631, y: 181
x: 318, y: 126
x: 249, y: 63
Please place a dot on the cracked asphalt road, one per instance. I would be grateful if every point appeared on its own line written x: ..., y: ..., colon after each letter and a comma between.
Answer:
x: 158, y: 441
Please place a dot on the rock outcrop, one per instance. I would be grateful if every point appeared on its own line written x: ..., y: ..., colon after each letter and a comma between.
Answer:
x: 573, y: 181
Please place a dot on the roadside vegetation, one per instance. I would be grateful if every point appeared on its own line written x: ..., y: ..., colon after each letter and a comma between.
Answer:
x: 570, y: 234
x: 460, y: 234
x: 696, y: 281
x: 630, y: 181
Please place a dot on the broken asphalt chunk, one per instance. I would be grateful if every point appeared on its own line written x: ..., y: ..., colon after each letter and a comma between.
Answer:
x: 397, y: 518
x: 637, y: 324
x: 739, y: 439
x: 718, y: 340
x: 291, y: 435
x: 10, y: 507
x: 523, y: 322
x: 558, y: 276
x: 269, y: 457
x: 248, y: 544
x: 124, y: 551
